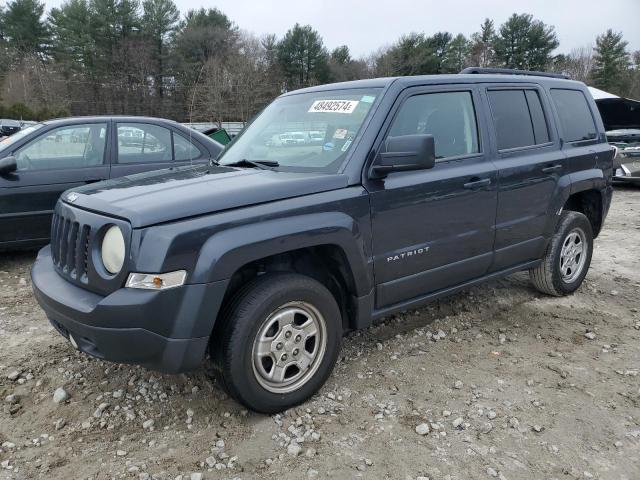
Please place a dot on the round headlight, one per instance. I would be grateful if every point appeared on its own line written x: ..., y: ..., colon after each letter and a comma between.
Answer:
x: 113, y: 250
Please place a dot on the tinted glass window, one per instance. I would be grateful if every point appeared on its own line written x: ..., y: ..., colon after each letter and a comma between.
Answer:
x: 143, y: 143
x: 73, y: 146
x: 511, y: 118
x: 575, y: 116
x: 184, y: 149
x: 540, y: 131
x: 448, y: 116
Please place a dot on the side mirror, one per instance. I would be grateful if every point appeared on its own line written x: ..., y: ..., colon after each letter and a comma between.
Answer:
x: 8, y: 165
x: 404, y: 153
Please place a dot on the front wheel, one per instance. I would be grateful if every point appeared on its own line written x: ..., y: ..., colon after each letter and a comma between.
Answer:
x: 567, y: 258
x: 278, y: 342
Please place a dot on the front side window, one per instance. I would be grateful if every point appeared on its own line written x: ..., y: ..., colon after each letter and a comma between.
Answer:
x: 518, y: 118
x: 448, y: 116
x: 304, y: 132
x: 184, y: 149
x: 74, y: 146
x: 143, y: 143
x: 575, y: 116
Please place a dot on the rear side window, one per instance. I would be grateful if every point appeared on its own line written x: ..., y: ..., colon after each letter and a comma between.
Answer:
x: 575, y: 116
x: 518, y: 118
x: 143, y: 143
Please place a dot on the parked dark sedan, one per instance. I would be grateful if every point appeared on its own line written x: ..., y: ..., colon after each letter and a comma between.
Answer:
x: 39, y: 162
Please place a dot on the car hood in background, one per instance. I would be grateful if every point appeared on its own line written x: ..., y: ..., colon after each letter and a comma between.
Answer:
x: 171, y: 194
x: 619, y: 113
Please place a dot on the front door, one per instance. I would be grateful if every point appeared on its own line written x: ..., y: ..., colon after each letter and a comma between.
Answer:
x: 58, y: 159
x: 434, y: 229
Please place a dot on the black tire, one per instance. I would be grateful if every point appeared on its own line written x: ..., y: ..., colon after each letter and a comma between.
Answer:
x: 547, y: 277
x: 232, y: 342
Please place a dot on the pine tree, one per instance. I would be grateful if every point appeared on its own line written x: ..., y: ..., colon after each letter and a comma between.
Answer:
x: 24, y: 29
x: 303, y: 57
x: 611, y: 62
x: 525, y: 43
x: 482, y: 47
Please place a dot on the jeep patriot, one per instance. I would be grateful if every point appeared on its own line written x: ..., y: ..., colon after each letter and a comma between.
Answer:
x: 411, y: 188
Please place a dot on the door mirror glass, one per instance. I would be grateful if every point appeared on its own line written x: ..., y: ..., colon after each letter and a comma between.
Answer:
x: 406, y: 152
x: 8, y: 165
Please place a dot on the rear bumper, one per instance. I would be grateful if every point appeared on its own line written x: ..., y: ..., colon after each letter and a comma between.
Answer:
x: 166, y: 331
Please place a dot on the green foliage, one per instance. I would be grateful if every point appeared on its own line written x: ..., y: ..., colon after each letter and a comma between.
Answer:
x: 303, y: 57
x: 341, y: 55
x: 20, y: 111
x: 611, y: 62
x: 73, y: 36
x: 482, y: 48
x: 160, y: 19
x: 525, y: 43
x: 205, y: 34
x: 457, y: 54
x: 23, y: 26
x: 140, y: 57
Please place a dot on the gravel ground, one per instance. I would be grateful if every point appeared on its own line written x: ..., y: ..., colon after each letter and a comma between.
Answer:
x: 499, y: 381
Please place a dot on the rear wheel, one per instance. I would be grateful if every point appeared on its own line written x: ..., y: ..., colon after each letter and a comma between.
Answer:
x: 278, y: 342
x: 568, y: 256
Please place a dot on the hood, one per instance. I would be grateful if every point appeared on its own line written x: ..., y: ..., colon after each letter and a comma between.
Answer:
x: 619, y: 113
x: 166, y: 195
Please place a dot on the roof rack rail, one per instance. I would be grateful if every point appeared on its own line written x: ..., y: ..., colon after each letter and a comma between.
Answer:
x: 513, y: 71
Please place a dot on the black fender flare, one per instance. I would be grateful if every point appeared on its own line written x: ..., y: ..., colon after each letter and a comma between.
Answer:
x: 227, y: 251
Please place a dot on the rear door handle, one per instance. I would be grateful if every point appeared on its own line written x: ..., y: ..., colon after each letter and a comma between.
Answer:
x: 552, y: 169
x: 477, y: 183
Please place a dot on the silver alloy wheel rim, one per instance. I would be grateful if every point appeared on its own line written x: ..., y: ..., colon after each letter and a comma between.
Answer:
x: 573, y: 255
x: 289, y: 347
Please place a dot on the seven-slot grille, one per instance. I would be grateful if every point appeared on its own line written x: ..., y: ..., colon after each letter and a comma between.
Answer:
x: 70, y: 247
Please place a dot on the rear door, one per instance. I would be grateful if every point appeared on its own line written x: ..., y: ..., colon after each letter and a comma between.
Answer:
x: 529, y: 163
x: 58, y: 159
x: 140, y: 147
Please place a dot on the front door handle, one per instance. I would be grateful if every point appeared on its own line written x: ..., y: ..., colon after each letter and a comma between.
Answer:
x: 477, y: 183
x: 552, y: 169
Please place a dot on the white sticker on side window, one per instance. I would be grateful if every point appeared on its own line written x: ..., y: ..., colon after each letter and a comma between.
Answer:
x: 333, y: 106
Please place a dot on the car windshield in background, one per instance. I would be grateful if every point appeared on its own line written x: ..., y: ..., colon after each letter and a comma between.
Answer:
x: 6, y: 142
x: 308, y: 131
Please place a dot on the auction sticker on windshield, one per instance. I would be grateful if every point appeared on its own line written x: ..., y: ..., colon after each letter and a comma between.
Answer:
x: 333, y: 106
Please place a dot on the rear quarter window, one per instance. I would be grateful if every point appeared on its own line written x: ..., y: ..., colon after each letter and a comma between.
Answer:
x: 575, y: 115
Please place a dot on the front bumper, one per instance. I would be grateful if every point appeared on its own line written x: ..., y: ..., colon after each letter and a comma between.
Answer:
x: 166, y: 330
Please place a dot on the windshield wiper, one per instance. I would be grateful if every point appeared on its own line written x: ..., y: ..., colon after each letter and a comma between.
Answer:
x: 262, y: 164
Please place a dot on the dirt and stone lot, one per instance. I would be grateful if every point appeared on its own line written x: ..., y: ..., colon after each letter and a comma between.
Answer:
x: 498, y: 381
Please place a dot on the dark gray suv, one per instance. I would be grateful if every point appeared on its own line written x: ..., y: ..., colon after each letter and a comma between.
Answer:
x: 419, y: 187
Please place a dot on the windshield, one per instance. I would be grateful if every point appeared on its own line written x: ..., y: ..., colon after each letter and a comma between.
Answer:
x: 309, y: 131
x: 6, y: 142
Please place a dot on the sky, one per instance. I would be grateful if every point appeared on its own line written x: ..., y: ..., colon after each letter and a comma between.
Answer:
x: 366, y: 25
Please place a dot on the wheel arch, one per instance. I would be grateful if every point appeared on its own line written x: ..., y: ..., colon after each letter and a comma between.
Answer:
x: 328, y: 247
